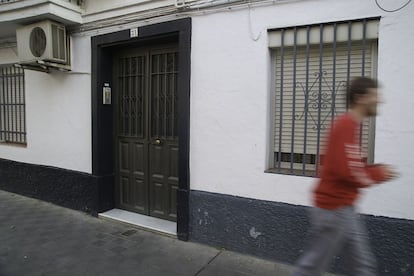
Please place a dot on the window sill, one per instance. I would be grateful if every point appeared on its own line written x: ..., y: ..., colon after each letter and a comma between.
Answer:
x: 293, y: 172
x: 13, y: 144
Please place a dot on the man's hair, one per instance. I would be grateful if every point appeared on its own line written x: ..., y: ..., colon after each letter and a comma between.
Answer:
x: 358, y: 87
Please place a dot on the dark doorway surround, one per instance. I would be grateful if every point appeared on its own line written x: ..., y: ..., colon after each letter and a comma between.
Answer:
x: 103, y: 48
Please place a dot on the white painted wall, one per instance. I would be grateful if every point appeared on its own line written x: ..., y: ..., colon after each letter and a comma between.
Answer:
x: 121, y: 8
x: 8, y: 54
x: 58, y: 115
x: 106, y: 5
x: 230, y: 86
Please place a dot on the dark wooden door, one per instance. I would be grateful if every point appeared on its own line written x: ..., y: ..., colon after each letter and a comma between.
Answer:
x: 145, y: 98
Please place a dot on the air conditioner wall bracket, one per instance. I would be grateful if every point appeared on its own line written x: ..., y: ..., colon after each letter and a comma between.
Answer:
x: 44, y: 66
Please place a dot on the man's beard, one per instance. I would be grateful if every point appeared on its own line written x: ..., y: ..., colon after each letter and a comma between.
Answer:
x: 372, y: 111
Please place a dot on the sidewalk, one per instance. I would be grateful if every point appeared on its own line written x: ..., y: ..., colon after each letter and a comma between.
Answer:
x: 38, y: 238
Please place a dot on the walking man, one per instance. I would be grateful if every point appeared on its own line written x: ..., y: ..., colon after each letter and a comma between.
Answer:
x: 336, y: 226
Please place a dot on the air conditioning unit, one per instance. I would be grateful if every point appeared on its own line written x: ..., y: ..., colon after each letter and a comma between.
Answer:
x: 44, y: 41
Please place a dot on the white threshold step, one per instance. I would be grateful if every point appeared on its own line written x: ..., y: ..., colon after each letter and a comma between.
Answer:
x: 141, y: 221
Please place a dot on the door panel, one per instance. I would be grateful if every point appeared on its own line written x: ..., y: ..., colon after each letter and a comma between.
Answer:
x: 164, y: 180
x: 145, y: 95
x: 132, y: 174
x: 172, y: 178
x: 163, y: 82
x: 125, y: 190
x: 139, y: 159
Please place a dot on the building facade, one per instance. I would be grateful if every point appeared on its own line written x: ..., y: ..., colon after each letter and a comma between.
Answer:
x: 210, y: 114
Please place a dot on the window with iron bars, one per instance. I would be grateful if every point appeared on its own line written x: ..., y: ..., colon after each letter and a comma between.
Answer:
x: 312, y: 66
x: 12, y: 105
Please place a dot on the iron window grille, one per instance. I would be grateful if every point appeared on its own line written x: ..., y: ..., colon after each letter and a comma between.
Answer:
x: 12, y: 105
x: 163, y: 110
x: 312, y: 65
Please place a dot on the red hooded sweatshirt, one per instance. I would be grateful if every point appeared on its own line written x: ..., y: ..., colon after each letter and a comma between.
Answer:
x: 344, y: 172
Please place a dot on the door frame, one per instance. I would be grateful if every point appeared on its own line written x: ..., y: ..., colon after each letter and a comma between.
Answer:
x: 178, y: 31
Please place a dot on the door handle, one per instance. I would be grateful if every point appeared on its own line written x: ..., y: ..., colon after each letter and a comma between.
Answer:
x: 157, y: 142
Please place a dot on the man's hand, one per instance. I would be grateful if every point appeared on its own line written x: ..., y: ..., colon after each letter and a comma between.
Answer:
x: 389, y: 172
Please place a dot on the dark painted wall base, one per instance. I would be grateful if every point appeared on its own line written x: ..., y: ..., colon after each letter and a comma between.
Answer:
x: 67, y: 188
x: 277, y: 231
